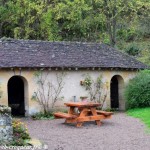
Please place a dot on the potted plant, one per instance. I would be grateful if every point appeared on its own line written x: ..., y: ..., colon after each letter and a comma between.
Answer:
x: 84, y: 98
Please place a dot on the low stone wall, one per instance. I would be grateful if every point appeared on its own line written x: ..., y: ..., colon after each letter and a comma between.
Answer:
x: 6, y: 130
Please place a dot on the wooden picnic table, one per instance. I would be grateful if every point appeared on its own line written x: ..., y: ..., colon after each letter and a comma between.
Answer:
x: 79, y: 112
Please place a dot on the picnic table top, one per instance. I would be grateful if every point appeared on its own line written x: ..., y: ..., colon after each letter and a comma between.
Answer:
x: 82, y: 104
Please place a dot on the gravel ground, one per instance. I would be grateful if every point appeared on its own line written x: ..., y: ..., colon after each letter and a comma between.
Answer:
x: 119, y: 133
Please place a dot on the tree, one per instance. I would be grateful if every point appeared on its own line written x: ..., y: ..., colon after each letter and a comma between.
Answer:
x: 74, y: 20
x: 48, y: 92
x: 115, y: 12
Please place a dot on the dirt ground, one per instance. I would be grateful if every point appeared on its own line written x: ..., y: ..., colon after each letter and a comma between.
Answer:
x: 119, y: 133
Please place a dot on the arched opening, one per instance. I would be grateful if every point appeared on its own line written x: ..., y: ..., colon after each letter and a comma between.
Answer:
x: 116, y: 93
x: 16, y: 95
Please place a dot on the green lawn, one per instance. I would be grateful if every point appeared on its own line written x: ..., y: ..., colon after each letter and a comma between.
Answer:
x: 141, y: 113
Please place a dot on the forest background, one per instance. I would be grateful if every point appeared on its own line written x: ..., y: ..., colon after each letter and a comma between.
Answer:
x: 123, y: 24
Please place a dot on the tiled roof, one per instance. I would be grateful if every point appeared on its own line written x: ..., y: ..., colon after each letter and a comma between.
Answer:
x: 31, y: 53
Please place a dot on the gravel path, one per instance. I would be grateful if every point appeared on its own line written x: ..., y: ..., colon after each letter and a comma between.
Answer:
x: 119, y: 133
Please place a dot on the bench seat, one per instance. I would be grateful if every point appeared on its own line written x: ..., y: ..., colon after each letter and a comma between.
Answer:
x: 105, y: 113
x: 64, y: 115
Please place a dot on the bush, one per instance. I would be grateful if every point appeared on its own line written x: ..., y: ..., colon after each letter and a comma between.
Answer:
x: 121, y: 34
x: 131, y: 34
x: 105, y: 38
x: 132, y: 49
x: 137, y: 92
x: 127, y: 35
x: 20, y: 133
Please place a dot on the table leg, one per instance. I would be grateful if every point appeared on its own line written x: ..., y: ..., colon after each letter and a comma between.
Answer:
x: 83, y: 113
x: 71, y: 110
x: 94, y: 113
x: 79, y: 124
x: 98, y: 122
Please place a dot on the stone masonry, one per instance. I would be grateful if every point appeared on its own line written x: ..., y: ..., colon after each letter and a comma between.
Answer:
x: 6, y: 129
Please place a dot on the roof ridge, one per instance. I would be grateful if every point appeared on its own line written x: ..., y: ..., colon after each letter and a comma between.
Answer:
x: 3, y: 39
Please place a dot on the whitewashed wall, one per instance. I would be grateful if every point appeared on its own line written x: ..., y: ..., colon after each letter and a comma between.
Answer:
x: 71, y: 88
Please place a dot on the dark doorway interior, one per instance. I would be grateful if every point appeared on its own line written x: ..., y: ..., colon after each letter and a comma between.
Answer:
x: 114, y: 95
x: 16, y: 96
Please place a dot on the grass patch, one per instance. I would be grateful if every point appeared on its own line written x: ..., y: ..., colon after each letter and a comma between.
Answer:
x: 142, y: 113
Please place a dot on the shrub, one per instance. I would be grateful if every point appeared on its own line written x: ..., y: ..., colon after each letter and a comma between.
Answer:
x: 121, y: 34
x: 137, y: 92
x: 132, y: 49
x: 128, y: 35
x: 105, y: 38
x: 20, y: 133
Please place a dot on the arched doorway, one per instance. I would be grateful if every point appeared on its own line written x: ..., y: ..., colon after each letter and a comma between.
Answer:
x: 16, y: 95
x: 116, y: 93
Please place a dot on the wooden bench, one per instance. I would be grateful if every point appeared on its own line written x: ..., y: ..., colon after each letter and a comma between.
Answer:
x: 104, y: 113
x: 59, y: 115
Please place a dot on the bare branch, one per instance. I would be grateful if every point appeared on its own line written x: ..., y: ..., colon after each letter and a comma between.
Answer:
x: 48, y: 93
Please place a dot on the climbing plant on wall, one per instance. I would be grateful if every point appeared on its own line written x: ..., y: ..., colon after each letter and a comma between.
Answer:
x: 97, y: 90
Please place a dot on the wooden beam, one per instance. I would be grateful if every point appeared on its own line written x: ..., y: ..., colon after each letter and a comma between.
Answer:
x: 90, y: 118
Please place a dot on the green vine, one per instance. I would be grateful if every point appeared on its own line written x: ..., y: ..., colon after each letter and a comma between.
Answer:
x: 97, y: 90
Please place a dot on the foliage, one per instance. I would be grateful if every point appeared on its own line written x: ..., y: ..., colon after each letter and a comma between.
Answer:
x: 48, y: 92
x: 143, y: 47
x: 112, y: 22
x: 137, y: 92
x: 133, y: 50
x: 43, y: 116
x: 97, y: 90
x: 20, y: 133
x: 145, y: 56
x: 142, y: 114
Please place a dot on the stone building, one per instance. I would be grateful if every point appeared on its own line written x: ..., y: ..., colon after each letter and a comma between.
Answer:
x: 20, y: 59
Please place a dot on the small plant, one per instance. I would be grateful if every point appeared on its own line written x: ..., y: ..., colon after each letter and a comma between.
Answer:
x: 43, y: 116
x: 20, y: 133
x: 131, y: 34
x: 133, y: 50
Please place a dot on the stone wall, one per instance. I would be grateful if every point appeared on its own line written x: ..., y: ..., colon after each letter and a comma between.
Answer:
x: 6, y: 130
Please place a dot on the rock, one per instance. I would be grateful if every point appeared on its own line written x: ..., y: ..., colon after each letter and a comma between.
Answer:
x: 6, y: 129
x: 35, y: 142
